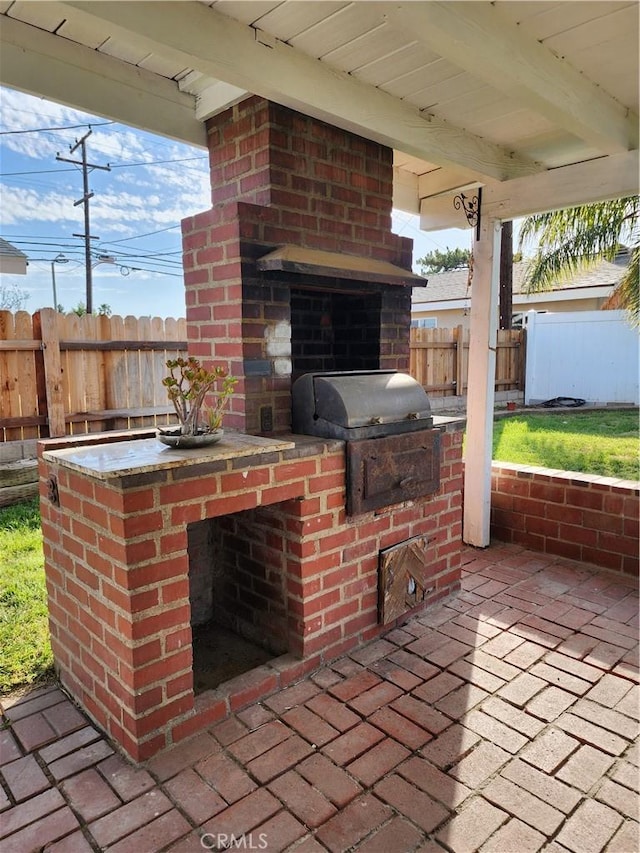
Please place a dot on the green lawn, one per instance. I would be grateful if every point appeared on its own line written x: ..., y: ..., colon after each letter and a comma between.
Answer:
x: 25, y: 653
x: 603, y: 442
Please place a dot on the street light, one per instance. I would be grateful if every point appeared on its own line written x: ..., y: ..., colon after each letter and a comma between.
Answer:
x: 103, y: 259
x: 59, y: 259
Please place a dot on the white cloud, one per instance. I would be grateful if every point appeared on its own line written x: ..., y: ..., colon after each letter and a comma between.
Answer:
x: 120, y: 212
x: 132, y: 180
x: 135, y: 211
x: 20, y: 205
x: 19, y: 111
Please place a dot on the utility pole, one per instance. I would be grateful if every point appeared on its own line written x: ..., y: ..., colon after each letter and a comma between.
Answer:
x: 506, y: 275
x: 86, y: 195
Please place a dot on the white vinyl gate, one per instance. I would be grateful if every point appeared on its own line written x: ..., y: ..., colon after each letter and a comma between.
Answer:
x: 593, y: 355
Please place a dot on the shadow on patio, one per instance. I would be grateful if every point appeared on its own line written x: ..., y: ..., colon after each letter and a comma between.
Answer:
x: 504, y: 719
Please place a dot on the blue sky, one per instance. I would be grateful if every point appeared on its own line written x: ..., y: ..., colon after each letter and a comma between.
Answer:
x: 154, y: 182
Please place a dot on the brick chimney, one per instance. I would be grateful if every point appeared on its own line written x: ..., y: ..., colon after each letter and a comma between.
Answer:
x: 282, y: 178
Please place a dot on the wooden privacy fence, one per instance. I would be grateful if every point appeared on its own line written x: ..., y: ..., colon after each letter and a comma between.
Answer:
x: 61, y: 374
x: 65, y: 375
x: 440, y: 360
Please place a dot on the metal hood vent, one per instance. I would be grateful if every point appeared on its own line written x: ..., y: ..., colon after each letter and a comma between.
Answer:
x: 303, y: 261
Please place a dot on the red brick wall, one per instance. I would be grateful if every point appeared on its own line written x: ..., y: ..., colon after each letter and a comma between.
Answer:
x: 593, y: 519
x: 117, y: 570
x: 281, y: 177
x: 328, y: 188
x: 247, y: 568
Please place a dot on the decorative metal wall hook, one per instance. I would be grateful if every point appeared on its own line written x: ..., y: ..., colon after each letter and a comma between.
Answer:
x: 470, y: 205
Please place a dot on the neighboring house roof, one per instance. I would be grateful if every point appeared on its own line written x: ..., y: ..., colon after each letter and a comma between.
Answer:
x: 12, y: 260
x: 453, y: 284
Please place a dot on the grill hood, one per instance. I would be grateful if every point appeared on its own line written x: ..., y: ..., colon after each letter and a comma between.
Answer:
x: 359, y: 404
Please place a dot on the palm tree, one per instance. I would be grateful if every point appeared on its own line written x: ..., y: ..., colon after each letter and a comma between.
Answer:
x: 574, y: 239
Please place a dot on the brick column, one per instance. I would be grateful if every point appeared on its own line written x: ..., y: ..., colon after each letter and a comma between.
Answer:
x: 279, y: 177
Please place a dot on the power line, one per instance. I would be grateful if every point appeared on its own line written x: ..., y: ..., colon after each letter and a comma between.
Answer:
x: 157, y: 162
x: 53, y: 240
x: 160, y: 272
x: 46, y: 129
x: 36, y: 172
x: 162, y: 264
x: 156, y: 256
x: 161, y: 257
x: 72, y: 246
x: 113, y: 166
x: 35, y: 237
x: 140, y: 236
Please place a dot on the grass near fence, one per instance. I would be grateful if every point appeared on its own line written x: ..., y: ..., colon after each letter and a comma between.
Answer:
x: 25, y: 653
x: 603, y: 442
x: 598, y: 442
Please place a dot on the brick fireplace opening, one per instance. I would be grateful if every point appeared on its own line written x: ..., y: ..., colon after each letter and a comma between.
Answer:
x: 238, y: 593
x: 334, y: 331
x: 152, y: 553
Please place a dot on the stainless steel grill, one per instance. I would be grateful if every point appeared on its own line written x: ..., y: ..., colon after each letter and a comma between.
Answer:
x: 393, y: 452
x: 353, y: 405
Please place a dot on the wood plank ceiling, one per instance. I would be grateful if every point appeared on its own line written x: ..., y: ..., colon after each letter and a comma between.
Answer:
x: 466, y: 93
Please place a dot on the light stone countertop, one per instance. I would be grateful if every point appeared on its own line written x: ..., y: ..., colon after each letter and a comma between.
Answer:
x: 139, y: 456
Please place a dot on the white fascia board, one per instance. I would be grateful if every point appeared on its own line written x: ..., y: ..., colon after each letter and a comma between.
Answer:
x: 597, y: 292
x: 442, y: 305
x: 216, y: 98
x: 614, y: 176
x: 405, y: 191
x: 48, y: 66
x: 440, y: 212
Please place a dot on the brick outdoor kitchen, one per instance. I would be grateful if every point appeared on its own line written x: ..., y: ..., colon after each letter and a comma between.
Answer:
x: 128, y: 529
x: 144, y: 545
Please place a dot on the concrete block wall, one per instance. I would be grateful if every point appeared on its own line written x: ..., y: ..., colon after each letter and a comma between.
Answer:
x: 117, y: 568
x: 578, y: 516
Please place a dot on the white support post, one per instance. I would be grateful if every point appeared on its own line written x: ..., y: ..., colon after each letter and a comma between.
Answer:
x: 481, y: 384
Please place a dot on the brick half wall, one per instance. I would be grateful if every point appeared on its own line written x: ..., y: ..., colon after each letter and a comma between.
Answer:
x: 581, y: 517
x: 117, y: 569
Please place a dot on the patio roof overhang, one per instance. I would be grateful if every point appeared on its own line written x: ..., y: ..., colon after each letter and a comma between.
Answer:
x: 467, y: 94
x: 536, y: 103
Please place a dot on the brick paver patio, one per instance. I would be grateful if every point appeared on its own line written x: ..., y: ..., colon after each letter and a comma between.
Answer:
x: 504, y: 720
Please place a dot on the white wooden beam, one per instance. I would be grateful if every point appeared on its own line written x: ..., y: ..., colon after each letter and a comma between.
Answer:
x: 477, y: 37
x: 481, y: 387
x: 615, y: 176
x: 445, y: 180
x: 405, y: 191
x: 212, y: 96
x: 225, y: 49
x: 48, y: 66
x: 439, y: 212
